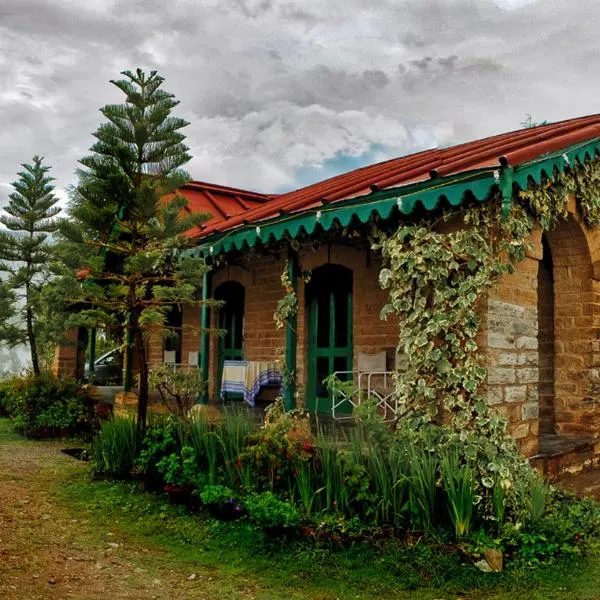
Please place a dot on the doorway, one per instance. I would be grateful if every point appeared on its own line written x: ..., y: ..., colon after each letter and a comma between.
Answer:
x: 330, y: 322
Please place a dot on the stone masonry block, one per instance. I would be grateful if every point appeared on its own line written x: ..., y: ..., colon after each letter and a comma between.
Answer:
x: 526, y: 342
x: 530, y: 412
x: 515, y: 393
x: 500, y: 375
x: 501, y: 340
x: 529, y: 375
x: 494, y: 396
x: 505, y: 309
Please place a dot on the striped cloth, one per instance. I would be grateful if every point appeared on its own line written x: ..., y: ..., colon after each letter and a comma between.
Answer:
x: 248, y: 377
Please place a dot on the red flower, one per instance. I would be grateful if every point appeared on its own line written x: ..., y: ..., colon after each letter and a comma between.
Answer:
x: 308, y: 446
x: 238, y: 463
x: 83, y: 273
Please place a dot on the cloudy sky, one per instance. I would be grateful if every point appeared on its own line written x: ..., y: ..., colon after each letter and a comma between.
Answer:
x: 282, y: 93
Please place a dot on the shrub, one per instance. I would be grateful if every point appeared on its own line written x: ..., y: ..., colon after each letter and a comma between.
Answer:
x: 160, y: 441
x: 47, y: 406
x: 271, y: 513
x: 114, y: 448
x: 178, y: 389
x: 179, y: 468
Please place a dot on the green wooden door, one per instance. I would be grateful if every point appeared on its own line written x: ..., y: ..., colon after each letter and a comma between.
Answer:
x: 330, y: 333
x: 231, y: 319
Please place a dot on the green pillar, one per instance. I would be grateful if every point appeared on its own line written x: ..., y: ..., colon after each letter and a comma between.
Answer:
x: 291, y: 336
x: 92, y: 353
x: 128, y: 377
x: 204, y: 335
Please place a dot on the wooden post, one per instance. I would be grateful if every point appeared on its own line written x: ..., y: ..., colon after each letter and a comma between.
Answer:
x: 291, y: 336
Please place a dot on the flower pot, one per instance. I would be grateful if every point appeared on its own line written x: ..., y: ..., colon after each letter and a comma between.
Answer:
x: 226, y: 511
x: 178, y: 494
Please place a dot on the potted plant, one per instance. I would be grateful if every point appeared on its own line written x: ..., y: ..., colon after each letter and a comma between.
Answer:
x: 221, y: 502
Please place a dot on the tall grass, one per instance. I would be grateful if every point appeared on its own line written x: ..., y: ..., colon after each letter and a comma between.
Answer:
x: 459, y: 485
x: 232, y: 434
x: 114, y: 448
x: 423, y: 468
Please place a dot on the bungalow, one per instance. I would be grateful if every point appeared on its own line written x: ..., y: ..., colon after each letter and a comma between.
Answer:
x: 540, y: 336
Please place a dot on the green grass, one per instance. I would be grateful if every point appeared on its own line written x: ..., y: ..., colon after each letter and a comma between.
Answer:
x: 237, y: 556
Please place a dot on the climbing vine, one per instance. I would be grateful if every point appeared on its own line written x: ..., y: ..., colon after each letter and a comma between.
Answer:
x: 435, y: 280
x: 437, y: 274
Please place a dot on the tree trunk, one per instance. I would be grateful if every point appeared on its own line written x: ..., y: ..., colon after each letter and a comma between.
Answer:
x: 35, y: 363
x: 143, y: 378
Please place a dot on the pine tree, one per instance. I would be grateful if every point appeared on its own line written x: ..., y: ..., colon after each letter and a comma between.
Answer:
x: 25, y: 251
x: 126, y: 214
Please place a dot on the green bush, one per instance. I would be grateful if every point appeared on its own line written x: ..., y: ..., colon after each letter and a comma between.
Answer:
x: 271, y: 513
x: 114, y: 448
x: 47, y: 406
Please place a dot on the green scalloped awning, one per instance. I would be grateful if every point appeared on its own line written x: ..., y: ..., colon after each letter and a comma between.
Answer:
x: 454, y: 190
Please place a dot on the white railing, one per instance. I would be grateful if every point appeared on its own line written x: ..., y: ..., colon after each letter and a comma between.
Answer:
x: 378, y: 385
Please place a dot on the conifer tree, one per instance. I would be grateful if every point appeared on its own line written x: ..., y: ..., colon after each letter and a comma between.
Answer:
x: 25, y: 250
x: 127, y: 217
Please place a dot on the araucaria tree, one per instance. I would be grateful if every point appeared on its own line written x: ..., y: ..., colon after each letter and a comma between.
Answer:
x: 126, y: 213
x: 25, y: 251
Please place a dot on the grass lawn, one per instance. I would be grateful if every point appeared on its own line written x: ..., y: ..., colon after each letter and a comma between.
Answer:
x: 235, y: 561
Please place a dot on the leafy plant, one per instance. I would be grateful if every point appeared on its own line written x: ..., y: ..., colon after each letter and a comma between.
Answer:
x: 217, y: 494
x: 271, y: 513
x: 178, y: 469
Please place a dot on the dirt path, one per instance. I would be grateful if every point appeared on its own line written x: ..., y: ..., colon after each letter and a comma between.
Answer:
x: 46, y: 555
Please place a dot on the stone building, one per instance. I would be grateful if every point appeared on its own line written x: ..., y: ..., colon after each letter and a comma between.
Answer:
x: 540, y: 333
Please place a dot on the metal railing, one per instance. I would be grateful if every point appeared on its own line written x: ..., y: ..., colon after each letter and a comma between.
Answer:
x: 378, y: 385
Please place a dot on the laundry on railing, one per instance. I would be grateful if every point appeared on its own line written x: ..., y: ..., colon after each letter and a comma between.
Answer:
x: 247, y: 377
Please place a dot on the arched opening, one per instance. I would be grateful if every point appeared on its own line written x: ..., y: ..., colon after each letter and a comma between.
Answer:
x: 546, y: 340
x: 330, y: 322
x: 231, y: 320
x: 566, y: 254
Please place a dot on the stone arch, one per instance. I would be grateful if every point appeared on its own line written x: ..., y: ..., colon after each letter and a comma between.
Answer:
x: 235, y: 273
x: 574, y: 330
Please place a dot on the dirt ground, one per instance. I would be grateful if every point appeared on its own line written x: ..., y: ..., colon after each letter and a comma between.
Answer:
x: 46, y: 555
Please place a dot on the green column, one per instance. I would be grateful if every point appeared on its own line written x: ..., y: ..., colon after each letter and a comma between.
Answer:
x: 291, y: 336
x: 92, y: 353
x: 204, y: 335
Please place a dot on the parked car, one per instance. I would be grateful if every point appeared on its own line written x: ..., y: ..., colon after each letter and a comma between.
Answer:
x: 108, y: 368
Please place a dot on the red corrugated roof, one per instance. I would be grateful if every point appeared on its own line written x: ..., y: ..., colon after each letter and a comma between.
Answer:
x: 221, y: 202
x: 513, y: 148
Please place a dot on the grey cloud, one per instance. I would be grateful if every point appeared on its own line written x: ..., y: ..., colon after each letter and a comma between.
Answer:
x: 271, y: 85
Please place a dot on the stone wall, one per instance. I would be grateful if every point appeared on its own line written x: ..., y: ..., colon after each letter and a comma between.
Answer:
x: 511, y: 344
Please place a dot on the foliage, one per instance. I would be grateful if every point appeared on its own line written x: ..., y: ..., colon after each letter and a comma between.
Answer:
x: 127, y: 222
x: 279, y: 447
x: 269, y: 512
x: 47, y: 406
x: 217, y: 494
x: 287, y: 306
x: 179, y: 468
x: 114, y: 448
x: 160, y: 440
x: 178, y: 389
x: 25, y: 253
